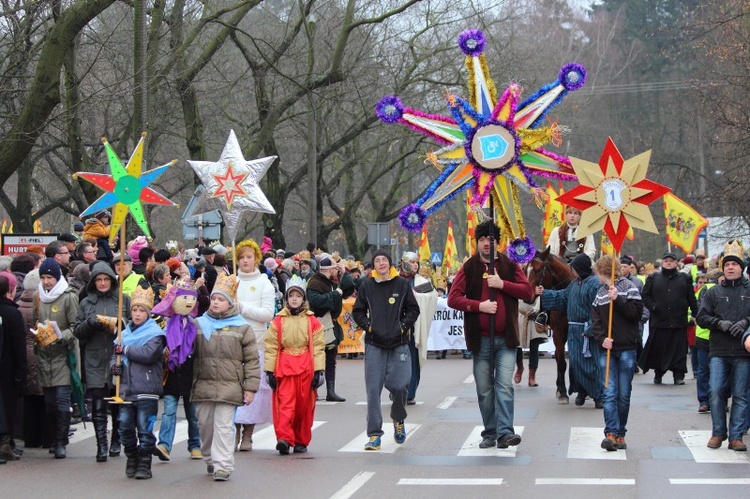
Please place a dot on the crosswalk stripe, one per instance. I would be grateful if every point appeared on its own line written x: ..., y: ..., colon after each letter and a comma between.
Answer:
x: 82, y: 434
x: 353, y: 485
x: 180, y: 432
x: 387, y: 445
x: 386, y: 402
x: 585, y: 443
x: 584, y: 481
x: 709, y: 481
x: 471, y: 445
x: 265, y: 439
x: 450, y: 481
x: 447, y: 402
x: 470, y: 379
x: 696, y: 441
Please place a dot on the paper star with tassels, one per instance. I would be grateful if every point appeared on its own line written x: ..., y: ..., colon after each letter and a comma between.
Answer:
x: 127, y: 188
x: 614, y: 195
x: 232, y: 184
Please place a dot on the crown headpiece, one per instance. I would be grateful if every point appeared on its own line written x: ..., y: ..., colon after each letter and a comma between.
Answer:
x: 733, y: 251
x: 142, y: 297
x: 226, y: 285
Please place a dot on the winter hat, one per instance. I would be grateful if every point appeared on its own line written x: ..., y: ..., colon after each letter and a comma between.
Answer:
x: 485, y: 228
x: 139, y: 243
x: 582, y: 265
x: 382, y: 252
x: 50, y: 267
x: 31, y: 280
x: 687, y: 259
x: 78, y: 226
x: 669, y: 254
x: 103, y: 214
x: 270, y: 264
x: 326, y: 262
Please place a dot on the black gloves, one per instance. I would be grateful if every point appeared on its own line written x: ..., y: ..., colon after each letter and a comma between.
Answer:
x: 93, y: 323
x: 271, y: 380
x: 724, y: 326
x: 317, y: 380
x: 738, y: 328
x: 118, y: 349
x: 116, y: 369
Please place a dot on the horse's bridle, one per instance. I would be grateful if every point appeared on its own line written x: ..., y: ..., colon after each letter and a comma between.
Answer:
x: 543, y: 272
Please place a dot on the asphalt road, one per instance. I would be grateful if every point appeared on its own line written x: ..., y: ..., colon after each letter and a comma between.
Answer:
x: 559, y: 456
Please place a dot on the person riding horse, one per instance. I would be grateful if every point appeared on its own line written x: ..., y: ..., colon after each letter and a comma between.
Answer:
x: 563, y: 241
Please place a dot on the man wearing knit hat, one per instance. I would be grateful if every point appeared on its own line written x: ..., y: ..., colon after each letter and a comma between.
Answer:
x: 725, y: 310
x: 668, y: 295
x: 389, y: 298
x: 493, y: 363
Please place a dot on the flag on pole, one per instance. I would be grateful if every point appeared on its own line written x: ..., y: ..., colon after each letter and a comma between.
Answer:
x: 450, y: 254
x: 606, y: 245
x: 5, y: 224
x: 683, y: 223
x: 38, y: 226
x: 471, y: 223
x: 554, y: 212
x: 424, y: 247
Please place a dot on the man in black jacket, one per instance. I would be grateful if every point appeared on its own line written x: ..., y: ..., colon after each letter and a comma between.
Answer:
x: 668, y: 295
x: 387, y: 310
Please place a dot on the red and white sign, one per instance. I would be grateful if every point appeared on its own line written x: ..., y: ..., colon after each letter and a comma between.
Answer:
x: 13, y: 244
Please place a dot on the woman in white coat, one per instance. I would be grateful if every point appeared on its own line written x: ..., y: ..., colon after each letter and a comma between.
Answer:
x: 256, y: 300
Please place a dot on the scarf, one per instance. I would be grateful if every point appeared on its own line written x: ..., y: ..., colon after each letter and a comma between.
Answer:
x: 181, y: 334
x: 139, y: 335
x: 210, y: 324
x: 54, y: 293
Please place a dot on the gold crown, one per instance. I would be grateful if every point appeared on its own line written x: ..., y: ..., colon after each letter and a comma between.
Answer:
x: 226, y: 284
x: 733, y: 249
x: 142, y: 297
x: 183, y: 284
x: 304, y: 255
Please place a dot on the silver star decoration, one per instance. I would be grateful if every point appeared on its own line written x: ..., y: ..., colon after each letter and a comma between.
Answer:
x: 223, y: 189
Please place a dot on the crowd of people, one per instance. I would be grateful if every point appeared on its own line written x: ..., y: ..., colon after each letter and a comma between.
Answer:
x: 247, y: 337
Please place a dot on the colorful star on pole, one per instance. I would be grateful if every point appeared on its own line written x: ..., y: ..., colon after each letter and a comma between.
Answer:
x: 614, y: 195
x: 232, y: 184
x: 127, y: 188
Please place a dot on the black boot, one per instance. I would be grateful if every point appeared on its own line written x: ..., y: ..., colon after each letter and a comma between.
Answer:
x: 131, y: 466
x: 6, y: 450
x: 114, y: 446
x: 99, y: 418
x: 331, y: 390
x: 62, y: 426
x: 143, y: 468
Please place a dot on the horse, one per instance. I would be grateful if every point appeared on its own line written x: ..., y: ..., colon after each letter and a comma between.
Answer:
x: 551, y: 272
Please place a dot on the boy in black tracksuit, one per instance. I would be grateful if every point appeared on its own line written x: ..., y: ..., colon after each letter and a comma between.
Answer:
x: 386, y: 309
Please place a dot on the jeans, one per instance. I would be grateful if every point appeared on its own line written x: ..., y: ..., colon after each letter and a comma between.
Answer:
x: 169, y: 421
x: 702, y: 384
x: 616, y: 396
x: 494, y: 384
x: 728, y: 377
x: 139, y: 416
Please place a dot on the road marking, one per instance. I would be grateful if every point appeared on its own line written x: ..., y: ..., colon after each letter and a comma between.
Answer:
x: 386, y: 402
x: 696, y: 442
x: 353, y: 485
x: 387, y: 444
x: 450, y: 481
x: 471, y: 445
x: 265, y: 439
x: 709, y: 481
x: 470, y: 379
x: 180, y: 432
x: 585, y: 443
x: 585, y: 481
x: 447, y: 402
x: 82, y: 434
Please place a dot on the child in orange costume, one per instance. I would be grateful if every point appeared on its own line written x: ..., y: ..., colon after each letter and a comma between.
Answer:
x: 295, y: 363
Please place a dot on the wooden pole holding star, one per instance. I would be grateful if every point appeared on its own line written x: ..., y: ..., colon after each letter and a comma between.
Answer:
x: 613, y: 196
x: 127, y: 189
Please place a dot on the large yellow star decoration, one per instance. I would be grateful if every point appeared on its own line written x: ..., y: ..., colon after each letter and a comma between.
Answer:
x: 613, y: 195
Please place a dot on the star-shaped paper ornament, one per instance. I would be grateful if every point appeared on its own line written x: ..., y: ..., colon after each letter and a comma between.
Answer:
x: 613, y: 195
x: 232, y: 184
x: 127, y: 188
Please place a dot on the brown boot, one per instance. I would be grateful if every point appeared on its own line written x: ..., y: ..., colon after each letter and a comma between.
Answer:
x: 532, y: 377
x: 237, y: 435
x: 247, y: 437
x: 519, y: 374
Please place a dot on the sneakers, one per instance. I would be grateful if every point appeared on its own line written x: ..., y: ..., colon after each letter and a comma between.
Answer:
x: 487, y: 442
x: 508, y: 440
x: 195, y: 454
x: 715, y: 442
x: 609, y: 443
x: 737, y: 445
x: 704, y: 409
x: 411, y: 402
x: 163, y: 454
x: 620, y: 443
x: 221, y: 476
x: 283, y: 447
x: 210, y: 468
x: 373, y: 443
x: 399, y: 432
x: 300, y: 449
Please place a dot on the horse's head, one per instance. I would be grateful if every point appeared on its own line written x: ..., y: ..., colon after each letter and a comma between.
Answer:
x: 549, y: 271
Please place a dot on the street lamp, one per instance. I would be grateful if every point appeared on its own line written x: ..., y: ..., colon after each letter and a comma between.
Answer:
x: 312, y: 128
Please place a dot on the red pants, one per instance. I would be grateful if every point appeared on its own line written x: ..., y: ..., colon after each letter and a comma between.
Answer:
x: 294, y: 403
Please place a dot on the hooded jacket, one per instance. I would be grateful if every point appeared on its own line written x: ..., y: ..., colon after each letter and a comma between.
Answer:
x: 730, y: 301
x: 98, y: 344
x: 142, y: 373
x: 52, y: 360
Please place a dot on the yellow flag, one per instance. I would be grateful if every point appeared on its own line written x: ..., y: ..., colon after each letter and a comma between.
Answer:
x: 471, y: 223
x: 554, y: 212
x: 683, y: 223
x: 606, y: 245
x: 450, y: 254
x: 5, y: 223
x: 38, y: 226
x: 424, y: 246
